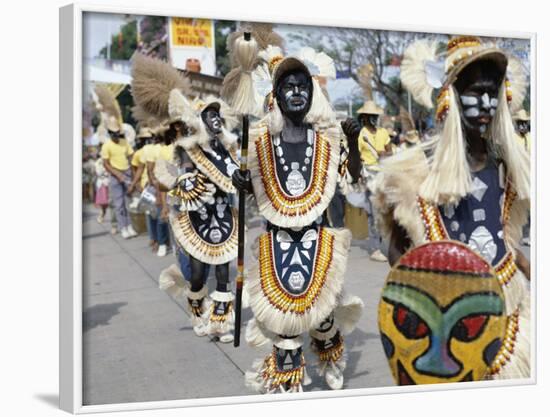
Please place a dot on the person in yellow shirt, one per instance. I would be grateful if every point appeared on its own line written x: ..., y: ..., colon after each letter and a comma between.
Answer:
x: 163, y: 150
x: 115, y: 154
x: 523, y: 136
x: 139, y: 178
x: 145, y: 142
x: 374, y: 143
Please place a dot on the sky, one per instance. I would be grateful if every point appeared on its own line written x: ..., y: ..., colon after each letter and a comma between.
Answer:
x: 98, y: 27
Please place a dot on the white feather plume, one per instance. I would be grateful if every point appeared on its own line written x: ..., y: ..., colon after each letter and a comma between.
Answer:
x: 518, y: 83
x: 270, y: 53
x: 419, y: 57
x: 177, y: 104
x: 318, y: 63
x: 129, y: 133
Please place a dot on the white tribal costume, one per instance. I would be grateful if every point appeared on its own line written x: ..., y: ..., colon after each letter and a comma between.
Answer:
x: 437, y: 199
x: 297, y: 284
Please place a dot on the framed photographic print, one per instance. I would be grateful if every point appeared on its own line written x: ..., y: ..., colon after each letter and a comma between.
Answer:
x: 297, y: 209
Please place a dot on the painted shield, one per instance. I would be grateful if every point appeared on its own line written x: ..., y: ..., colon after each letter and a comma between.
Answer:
x: 294, y: 255
x: 441, y: 315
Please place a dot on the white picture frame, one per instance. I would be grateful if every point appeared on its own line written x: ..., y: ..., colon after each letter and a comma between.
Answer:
x: 70, y: 261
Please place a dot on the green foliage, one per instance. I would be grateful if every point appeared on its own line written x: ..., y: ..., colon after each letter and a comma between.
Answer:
x: 153, y: 36
x: 222, y: 30
x: 123, y: 43
x: 126, y: 101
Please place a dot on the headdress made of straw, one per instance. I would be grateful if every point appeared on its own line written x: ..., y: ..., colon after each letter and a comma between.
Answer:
x: 153, y: 81
x: 190, y: 112
x: 423, y: 71
x: 318, y: 65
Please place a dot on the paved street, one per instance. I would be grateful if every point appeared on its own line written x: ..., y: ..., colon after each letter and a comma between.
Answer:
x: 139, y: 344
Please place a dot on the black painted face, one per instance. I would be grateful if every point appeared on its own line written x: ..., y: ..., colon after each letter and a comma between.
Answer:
x: 369, y: 119
x: 170, y: 135
x: 477, y: 87
x: 294, y: 94
x: 213, y: 120
x: 523, y: 126
x: 115, y: 136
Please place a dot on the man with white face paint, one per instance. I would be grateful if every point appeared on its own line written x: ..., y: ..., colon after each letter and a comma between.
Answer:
x: 296, y: 285
x: 474, y: 188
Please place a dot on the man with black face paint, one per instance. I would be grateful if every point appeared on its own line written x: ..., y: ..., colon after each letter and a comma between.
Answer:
x: 522, y: 119
x: 474, y: 190
x: 523, y: 136
x: 197, y: 181
x: 296, y: 286
x: 202, y: 219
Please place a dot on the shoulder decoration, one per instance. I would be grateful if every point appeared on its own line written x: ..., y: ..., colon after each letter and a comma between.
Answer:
x: 192, y: 192
x: 218, y: 171
x: 290, y: 301
x: 274, y: 203
x: 208, y: 234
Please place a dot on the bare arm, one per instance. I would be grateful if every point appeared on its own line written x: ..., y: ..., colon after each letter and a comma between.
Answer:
x: 399, y: 243
x: 137, y: 176
x: 523, y: 264
x: 151, y: 173
x: 113, y: 171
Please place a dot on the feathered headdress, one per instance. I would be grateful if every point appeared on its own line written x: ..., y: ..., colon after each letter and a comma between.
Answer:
x: 109, y: 110
x: 422, y: 71
x: 318, y: 65
x: 153, y: 81
x: 262, y: 33
x: 190, y: 112
x: 248, y: 68
x: 106, y: 102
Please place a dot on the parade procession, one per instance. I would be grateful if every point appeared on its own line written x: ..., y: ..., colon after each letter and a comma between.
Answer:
x: 285, y: 218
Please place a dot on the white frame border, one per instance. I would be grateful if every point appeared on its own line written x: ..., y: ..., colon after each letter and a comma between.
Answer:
x: 70, y: 202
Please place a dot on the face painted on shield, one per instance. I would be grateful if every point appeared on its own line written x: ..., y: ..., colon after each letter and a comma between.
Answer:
x: 212, y: 120
x: 477, y: 87
x: 294, y: 93
x: 441, y: 315
x: 297, y: 253
x: 215, y: 222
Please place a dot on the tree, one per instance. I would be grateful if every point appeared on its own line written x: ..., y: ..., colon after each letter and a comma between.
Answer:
x: 222, y: 29
x: 353, y: 48
x: 123, y: 44
x: 153, y: 36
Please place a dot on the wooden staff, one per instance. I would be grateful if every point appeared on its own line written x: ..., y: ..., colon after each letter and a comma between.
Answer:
x: 241, y: 219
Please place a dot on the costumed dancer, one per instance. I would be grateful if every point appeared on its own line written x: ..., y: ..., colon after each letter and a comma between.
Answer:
x: 296, y: 284
x: 523, y: 136
x: 203, y: 219
x: 455, y: 306
x: 522, y: 119
x: 198, y: 182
